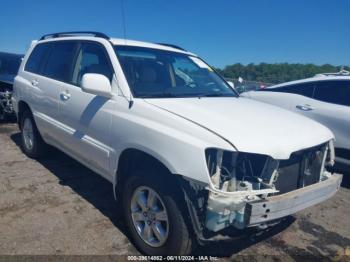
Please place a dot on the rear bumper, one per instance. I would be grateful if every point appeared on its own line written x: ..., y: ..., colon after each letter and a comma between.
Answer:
x: 275, y: 207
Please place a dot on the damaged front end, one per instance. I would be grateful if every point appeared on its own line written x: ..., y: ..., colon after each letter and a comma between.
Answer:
x: 9, y: 66
x: 6, y: 107
x: 252, y: 190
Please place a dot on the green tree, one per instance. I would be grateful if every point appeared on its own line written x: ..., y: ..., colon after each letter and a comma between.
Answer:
x: 276, y: 73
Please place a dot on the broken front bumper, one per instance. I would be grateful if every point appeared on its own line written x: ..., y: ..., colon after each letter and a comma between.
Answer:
x: 223, y: 211
x: 289, y: 203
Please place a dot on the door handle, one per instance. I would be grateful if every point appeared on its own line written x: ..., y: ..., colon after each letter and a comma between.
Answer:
x: 305, y: 107
x: 35, y: 82
x: 65, y: 95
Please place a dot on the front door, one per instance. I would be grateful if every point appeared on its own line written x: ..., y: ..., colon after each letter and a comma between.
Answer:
x: 88, y: 116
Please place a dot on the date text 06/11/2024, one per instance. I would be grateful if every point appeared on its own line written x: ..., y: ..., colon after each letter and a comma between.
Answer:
x: 172, y: 258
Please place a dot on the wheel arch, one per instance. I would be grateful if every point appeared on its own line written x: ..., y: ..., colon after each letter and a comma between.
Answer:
x: 193, y: 193
x: 22, y: 107
x: 132, y: 157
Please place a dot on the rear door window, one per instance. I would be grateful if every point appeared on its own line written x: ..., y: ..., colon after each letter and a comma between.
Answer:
x: 37, y: 58
x: 335, y: 92
x: 59, y: 65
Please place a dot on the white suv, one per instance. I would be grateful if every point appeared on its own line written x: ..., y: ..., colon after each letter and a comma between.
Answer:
x: 187, y: 156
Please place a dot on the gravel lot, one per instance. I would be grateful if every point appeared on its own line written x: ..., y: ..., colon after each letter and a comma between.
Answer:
x: 56, y: 206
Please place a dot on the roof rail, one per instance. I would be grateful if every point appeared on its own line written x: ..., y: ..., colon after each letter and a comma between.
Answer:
x: 75, y: 33
x: 171, y: 45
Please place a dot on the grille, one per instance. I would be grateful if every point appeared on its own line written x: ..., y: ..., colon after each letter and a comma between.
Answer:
x: 302, y: 169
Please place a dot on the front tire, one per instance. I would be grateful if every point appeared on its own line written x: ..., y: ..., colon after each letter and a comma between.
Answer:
x: 154, y: 219
x: 32, y: 143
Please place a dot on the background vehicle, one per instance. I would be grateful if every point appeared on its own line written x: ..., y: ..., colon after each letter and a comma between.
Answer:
x: 241, y: 85
x: 156, y: 121
x: 324, y: 98
x: 9, y: 65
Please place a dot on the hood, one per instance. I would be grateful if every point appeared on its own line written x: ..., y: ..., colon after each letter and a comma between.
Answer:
x: 251, y: 126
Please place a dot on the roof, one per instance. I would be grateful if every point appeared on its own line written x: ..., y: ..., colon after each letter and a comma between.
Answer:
x: 128, y: 42
x: 316, y: 78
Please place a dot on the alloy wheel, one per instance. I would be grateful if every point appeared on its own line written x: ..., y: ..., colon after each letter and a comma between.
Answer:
x: 149, y: 216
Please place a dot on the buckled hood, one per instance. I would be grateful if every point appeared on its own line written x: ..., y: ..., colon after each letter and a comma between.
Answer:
x: 249, y: 125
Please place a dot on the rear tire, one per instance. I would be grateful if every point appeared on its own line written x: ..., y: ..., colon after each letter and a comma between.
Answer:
x: 32, y: 143
x: 167, y: 233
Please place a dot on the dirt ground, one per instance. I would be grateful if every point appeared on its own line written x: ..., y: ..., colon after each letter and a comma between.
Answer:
x: 56, y: 206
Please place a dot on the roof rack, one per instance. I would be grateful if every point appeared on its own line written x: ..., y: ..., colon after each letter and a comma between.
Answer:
x: 171, y: 45
x: 75, y: 33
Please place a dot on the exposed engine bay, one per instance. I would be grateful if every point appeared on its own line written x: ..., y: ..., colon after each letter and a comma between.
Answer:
x: 9, y: 65
x: 233, y: 171
x: 6, y: 107
x: 242, y: 178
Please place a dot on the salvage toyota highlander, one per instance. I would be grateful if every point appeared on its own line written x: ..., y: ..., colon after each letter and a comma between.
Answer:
x: 187, y: 156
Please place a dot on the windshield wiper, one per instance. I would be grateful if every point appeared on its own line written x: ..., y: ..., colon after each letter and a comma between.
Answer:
x: 172, y: 95
x: 211, y: 95
x: 160, y: 95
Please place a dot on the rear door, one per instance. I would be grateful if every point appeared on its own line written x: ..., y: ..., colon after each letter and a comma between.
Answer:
x: 296, y: 97
x: 38, y: 91
x: 332, y: 108
x: 303, y: 102
x: 87, y: 117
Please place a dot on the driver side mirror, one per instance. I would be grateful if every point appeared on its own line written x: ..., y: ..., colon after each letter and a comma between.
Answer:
x: 96, y: 84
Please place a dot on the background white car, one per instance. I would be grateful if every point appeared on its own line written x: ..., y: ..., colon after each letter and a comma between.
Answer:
x: 324, y: 98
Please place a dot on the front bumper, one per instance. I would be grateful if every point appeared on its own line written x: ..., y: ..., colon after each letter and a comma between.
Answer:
x: 225, y: 210
x: 279, y: 206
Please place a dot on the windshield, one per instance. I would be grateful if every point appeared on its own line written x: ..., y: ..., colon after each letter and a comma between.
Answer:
x: 154, y: 73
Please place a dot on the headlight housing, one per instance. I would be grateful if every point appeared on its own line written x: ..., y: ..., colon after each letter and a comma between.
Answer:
x: 231, y: 171
x: 238, y: 171
x: 330, y: 158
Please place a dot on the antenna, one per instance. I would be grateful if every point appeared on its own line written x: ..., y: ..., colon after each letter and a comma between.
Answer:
x: 123, y: 18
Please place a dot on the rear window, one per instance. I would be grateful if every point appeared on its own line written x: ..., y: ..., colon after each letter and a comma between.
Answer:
x: 36, y: 58
x: 60, y: 61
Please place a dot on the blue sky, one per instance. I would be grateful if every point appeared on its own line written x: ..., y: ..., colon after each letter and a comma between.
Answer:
x: 222, y: 31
